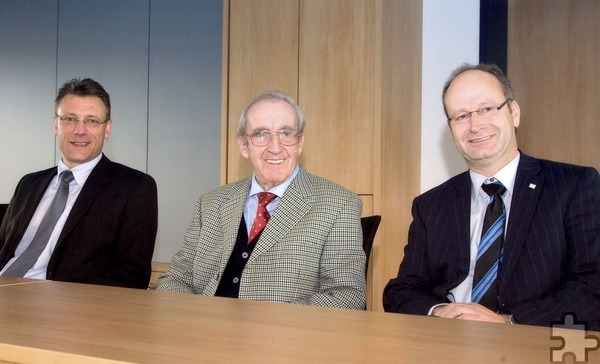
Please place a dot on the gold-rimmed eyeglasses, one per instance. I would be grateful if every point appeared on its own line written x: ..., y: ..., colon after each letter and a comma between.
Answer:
x: 72, y: 120
x: 264, y: 137
x: 483, y: 112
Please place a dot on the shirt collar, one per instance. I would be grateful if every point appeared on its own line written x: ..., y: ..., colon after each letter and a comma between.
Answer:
x: 279, y: 190
x: 80, y: 172
x: 506, y: 176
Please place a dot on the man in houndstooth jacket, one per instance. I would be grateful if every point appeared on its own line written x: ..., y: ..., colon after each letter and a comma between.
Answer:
x: 310, y: 252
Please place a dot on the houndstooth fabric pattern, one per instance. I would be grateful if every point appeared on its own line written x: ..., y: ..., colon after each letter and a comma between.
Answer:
x: 309, y: 253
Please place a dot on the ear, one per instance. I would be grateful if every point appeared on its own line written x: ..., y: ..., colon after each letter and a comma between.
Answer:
x: 516, y: 113
x: 55, y: 122
x: 243, y: 144
x: 107, y: 129
x: 300, y: 143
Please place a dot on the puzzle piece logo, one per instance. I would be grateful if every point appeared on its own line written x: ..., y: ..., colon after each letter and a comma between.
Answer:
x: 575, y: 345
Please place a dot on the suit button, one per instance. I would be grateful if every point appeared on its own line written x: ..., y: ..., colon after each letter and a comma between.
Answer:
x: 245, y: 255
x: 235, y: 280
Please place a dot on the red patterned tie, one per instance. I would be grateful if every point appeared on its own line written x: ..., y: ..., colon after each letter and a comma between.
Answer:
x: 262, y: 215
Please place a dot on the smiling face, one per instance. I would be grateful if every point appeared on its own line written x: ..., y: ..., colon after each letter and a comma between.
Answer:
x: 79, y: 142
x: 273, y: 163
x: 486, y: 143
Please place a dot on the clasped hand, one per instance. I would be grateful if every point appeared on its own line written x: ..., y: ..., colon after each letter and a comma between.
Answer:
x: 469, y: 311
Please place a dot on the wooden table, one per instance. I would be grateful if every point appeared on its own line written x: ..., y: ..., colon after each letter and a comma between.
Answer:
x: 74, y: 323
x: 12, y: 281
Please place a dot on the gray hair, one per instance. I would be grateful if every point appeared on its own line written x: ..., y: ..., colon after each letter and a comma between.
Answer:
x: 271, y: 95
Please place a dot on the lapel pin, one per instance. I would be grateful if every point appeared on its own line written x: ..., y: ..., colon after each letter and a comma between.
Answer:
x: 532, y: 186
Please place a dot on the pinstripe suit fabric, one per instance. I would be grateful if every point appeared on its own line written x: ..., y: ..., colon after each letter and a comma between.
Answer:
x: 552, y: 246
x: 309, y: 253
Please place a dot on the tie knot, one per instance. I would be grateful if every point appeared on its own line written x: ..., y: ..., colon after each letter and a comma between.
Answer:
x: 66, y: 176
x: 495, y: 188
x: 264, y: 198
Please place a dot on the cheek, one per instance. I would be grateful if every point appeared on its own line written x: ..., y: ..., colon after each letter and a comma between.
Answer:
x: 456, y: 134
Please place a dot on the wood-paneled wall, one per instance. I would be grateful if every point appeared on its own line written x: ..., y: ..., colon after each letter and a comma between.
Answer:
x: 554, y: 67
x: 354, y: 68
x: 262, y: 53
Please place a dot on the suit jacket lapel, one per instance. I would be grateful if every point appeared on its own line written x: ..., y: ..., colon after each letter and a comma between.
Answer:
x: 231, y: 213
x: 290, y: 210
x: 527, y: 191
x: 31, y: 204
x: 461, y: 216
x: 95, y: 183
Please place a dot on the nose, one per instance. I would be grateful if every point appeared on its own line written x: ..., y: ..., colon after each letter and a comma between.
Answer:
x: 80, y: 128
x: 274, y: 144
x: 475, y: 121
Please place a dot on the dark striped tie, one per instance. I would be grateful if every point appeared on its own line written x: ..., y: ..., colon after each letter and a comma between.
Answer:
x: 489, y: 254
x: 26, y: 260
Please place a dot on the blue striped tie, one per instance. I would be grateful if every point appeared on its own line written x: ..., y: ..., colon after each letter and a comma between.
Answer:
x: 489, y: 254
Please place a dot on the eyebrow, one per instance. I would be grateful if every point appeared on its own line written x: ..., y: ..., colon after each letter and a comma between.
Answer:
x: 285, y: 128
x: 87, y: 116
x: 479, y: 106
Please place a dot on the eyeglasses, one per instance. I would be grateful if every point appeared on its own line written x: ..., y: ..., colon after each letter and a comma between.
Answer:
x: 263, y: 138
x: 484, y: 112
x: 71, y: 120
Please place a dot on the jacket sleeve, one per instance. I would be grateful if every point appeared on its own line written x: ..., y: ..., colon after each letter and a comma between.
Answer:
x: 414, y: 291
x: 342, y: 267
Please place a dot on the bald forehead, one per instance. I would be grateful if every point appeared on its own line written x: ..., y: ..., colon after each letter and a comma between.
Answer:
x: 270, y: 102
x: 475, y: 78
x: 271, y: 107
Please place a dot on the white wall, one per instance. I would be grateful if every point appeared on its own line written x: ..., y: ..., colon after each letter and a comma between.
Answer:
x: 450, y: 38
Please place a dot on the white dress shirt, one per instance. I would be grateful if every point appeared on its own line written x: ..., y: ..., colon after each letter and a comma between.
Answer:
x: 252, y: 201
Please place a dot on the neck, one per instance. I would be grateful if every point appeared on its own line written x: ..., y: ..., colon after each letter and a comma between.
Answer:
x: 489, y: 168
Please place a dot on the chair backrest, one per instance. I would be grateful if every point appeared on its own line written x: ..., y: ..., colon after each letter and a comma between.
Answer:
x: 369, y: 227
x: 3, y: 207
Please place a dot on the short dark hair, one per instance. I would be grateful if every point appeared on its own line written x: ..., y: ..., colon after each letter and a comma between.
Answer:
x: 83, y: 87
x: 490, y: 68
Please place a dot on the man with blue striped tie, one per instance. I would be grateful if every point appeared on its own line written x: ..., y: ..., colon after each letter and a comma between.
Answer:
x: 515, y: 239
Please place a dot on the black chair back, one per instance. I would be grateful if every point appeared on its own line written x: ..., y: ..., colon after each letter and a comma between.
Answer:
x: 3, y: 207
x: 369, y: 227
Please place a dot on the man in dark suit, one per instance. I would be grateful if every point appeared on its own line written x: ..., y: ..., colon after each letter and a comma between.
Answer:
x: 310, y: 252
x: 106, y: 233
x: 548, y: 264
